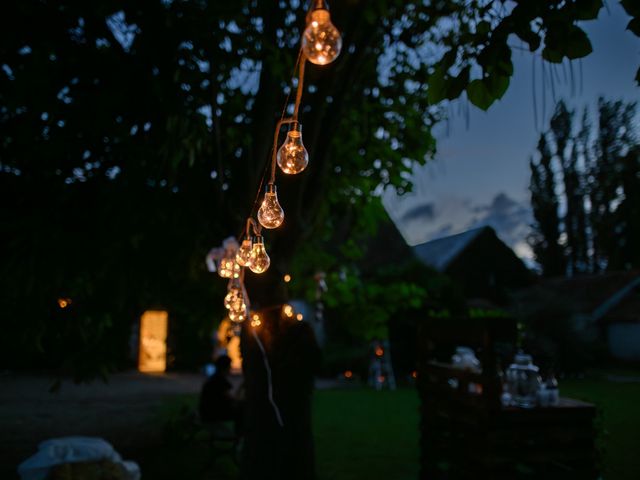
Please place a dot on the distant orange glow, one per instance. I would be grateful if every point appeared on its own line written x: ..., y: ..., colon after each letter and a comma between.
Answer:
x: 299, y: 317
x: 381, y: 379
x: 287, y: 278
x: 152, y: 355
x: 255, y: 320
x: 348, y: 374
x: 414, y: 374
x: 379, y: 351
x: 64, y: 302
x: 287, y: 310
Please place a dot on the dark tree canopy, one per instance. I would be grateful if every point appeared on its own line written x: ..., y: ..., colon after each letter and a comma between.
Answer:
x: 134, y: 135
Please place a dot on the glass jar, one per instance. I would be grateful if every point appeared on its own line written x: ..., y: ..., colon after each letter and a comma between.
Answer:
x: 523, y: 380
x: 465, y: 359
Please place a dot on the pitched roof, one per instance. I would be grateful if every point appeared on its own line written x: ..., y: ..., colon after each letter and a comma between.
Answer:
x: 441, y: 252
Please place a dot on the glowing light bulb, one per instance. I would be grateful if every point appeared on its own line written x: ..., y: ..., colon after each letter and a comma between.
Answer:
x: 255, y: 320
x: 260, y: 261
x: 292, y: 156
x: 238, y: 315
x: 321, y: 40
x: 287, y: 310
x: 243, y: 256
x: 236, y: 303
x: 233, y: 298
x: 227, y: 266
x: 270, y: 214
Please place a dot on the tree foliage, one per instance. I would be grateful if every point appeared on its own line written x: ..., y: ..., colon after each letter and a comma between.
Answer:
x: 584, y: 191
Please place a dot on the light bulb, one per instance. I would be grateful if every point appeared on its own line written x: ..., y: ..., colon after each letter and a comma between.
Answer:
x: 233, y: 298
x: 270, y: 214
x: 229, y: 267
x: 321, y: 41
x: 236, y: 303
x: 243, y: 256
x: 292, y: 156
x: 260, y: 261
x: 238, y: 315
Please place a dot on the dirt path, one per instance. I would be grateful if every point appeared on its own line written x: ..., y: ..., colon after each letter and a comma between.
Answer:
x: 121, y: 411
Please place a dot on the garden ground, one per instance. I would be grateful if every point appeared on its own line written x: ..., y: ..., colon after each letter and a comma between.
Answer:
x: 359, y: 433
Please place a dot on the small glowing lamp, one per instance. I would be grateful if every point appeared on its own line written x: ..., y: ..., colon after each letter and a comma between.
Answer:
x: 255, y: 320
x: 287, y: 310
x: 64, y: 302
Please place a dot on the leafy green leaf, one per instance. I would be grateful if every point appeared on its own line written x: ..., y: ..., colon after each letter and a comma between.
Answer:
x: 497, y: 85
x: 551, y: 55
x: 634, y: 26
x: 578, y: 44
x: 632, y: 7
x: 588, y: 9
x: 479, y: 95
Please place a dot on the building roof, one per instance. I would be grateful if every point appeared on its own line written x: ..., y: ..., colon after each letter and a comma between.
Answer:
x: 602, y: 296
x: 440, y: 253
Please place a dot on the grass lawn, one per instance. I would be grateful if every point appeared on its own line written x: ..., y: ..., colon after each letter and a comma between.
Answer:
x: 618, y: 420
x: 366, y: 434
x: 362, y: 433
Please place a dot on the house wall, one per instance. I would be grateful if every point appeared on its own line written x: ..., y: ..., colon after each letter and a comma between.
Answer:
x: 624, y: 340
x: 488, y: 269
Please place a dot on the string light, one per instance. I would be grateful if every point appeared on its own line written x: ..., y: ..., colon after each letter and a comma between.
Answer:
x: 320, y: 44
x: 321, y: 41
x: 228, y: 268
x: 243, y: 256
x: 233, y: 299
x: 270, y: 214
x: 292, y: 156
x: 238, y: 306
x: 260, y: 261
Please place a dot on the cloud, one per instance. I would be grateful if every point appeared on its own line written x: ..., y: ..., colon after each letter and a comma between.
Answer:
x: 510, y: 218
x: 421, y: 212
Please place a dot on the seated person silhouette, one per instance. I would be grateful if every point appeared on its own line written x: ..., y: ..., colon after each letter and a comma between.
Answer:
x: 217, y: 402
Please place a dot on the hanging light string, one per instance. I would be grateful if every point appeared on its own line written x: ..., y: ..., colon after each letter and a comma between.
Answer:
x: 266, y: 166
x: 285, y: 121
x: 320, y: 44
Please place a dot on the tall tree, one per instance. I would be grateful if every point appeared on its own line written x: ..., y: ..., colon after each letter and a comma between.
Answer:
x: 616, y: 138
x: 566, y: 150
x: 545, y: 239
x: 593, y: 179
